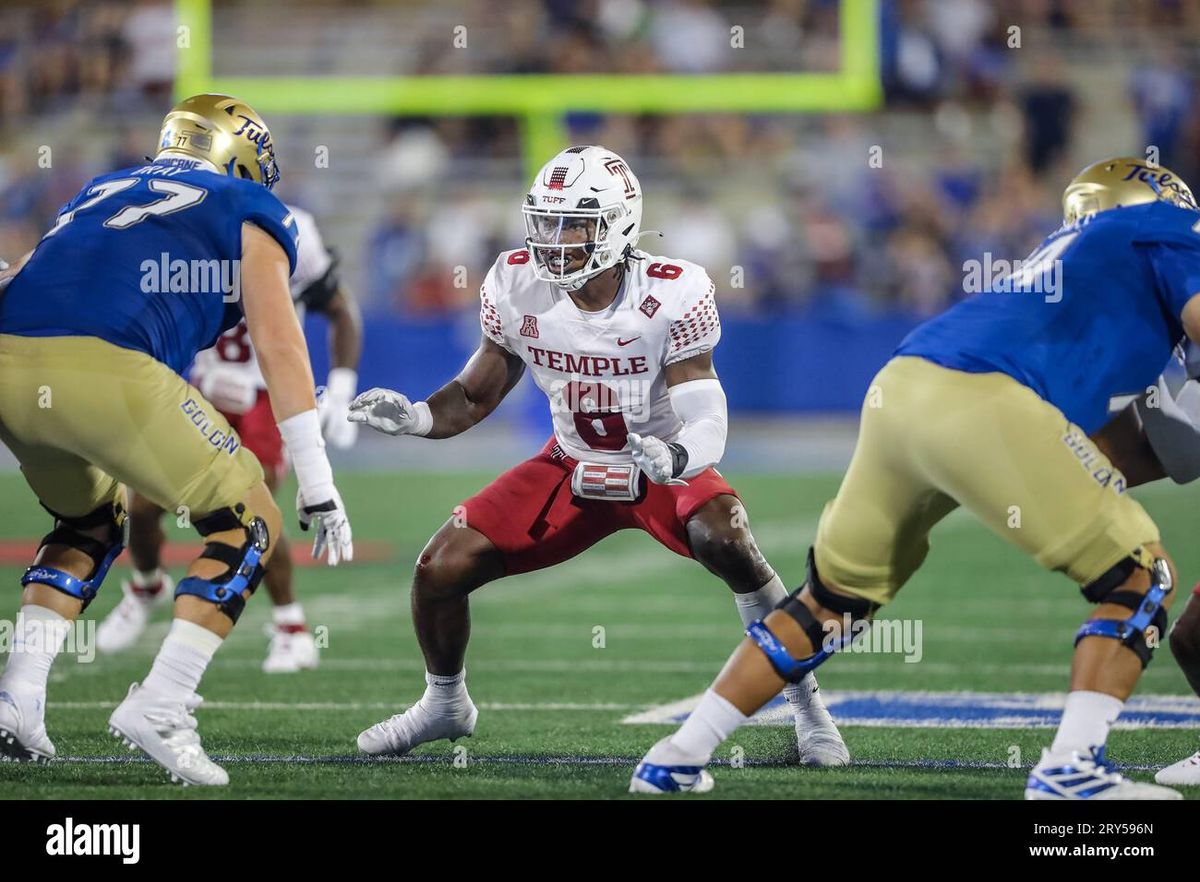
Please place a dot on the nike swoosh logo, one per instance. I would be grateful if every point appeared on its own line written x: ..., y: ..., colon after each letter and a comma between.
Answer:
x: 621, y: 342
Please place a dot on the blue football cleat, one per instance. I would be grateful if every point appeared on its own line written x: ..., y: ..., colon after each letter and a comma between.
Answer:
x: 666, y: 770
x: 1075, y: 775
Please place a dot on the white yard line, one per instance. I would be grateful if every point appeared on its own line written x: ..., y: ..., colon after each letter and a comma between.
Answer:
x: 368, y: 705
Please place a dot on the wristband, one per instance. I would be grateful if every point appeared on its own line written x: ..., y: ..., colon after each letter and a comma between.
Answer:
x: 306, y: 448
x: 424, y: 418
x: 679, y: 458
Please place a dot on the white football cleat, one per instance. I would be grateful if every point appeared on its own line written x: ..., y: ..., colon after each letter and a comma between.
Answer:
x: 290, y: 651
x: 1075, y: 775
x: 23, y: 736
x: 166, y: 731
x: 124, y: 625
x: 1186, y: 771
x: 398, y: 735
x: 818, y: 741
x: 666, y: 770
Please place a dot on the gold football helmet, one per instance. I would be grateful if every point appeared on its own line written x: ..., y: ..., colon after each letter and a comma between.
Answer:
x: 1125, y: 180
x: 224, y: 131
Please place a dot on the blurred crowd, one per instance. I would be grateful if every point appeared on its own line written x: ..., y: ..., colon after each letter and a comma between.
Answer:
x: 837, y: 215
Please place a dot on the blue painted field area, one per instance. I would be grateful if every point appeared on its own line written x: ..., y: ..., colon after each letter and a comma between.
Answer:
x: 984, y: 710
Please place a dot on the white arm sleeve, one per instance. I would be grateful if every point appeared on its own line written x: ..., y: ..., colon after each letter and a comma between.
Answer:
x: 1173, y: 430
x: 700, y: 404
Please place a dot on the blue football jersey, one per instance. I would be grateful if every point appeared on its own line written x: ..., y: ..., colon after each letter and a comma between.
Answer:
x: 146, y: 258
x: 1092, y: 314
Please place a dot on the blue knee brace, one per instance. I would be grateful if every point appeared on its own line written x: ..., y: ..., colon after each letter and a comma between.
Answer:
x: 245, y: 567
x: 1147, y: 612
x: 785, y: 664
x: 68, y: 531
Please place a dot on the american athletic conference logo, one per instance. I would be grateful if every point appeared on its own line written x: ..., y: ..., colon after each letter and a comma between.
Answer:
x: 529, y: 327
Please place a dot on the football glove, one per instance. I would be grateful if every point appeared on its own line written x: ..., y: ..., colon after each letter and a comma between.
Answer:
x: 656, y: 458
x: 391, y: 413
x: 328, y: 516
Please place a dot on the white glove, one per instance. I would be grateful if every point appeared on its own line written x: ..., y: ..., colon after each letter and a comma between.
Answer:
x: 228, y: 389
x: 317, y: 501
x: 333, y: 527
x: 653, y: 456
x: 391, y: 413
x: 334, y: 408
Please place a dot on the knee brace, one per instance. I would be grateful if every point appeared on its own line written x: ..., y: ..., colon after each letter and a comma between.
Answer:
x: 1147, y: 609
x: 69, y: 531
x: 785, y: 664
x: 245, y: 569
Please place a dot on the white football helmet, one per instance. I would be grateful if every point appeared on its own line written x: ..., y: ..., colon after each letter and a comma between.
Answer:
x: 585, y: 198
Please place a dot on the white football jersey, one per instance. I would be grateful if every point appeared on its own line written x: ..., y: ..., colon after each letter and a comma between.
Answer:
x: 233, y: 349
x: 603, y: 371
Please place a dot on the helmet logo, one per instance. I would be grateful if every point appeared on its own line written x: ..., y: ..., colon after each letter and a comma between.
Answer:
x: 617, y: 167
x: 1162, y: 182
x: 254, y: 133
x: 558, y: 177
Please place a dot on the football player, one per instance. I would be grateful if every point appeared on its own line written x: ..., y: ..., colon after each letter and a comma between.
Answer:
x: 1158, y: 436
x: 135, y: 277
x: 989, y: 406
x: 229, y: 376
x: 622, y: 344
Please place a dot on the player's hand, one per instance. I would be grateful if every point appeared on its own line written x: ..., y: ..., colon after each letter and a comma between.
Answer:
x: 334, y: 409
x: 229, y: 390
x: 385, y: 411
x: 328, y: 516
x: 653, y: 456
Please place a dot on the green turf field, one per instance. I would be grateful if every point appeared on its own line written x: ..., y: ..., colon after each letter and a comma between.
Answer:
x: 551, y: 701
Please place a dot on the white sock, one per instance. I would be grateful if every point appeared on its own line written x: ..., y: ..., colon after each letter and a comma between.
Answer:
x: 288, y: 614
x: 37, y: 640
x: 755, y: 605
x: 445, y: 694
x: 1085, y: 721
x: 800, y: 694
x: 147, y: 578
x: 147, y: 584
x: 181, y: 661
x: 713, y: 720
